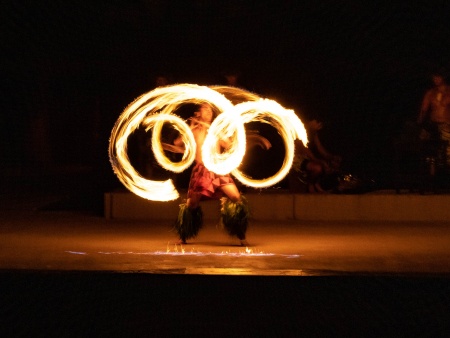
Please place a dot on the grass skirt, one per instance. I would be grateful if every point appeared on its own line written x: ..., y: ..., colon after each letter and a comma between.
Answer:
x: 189, y: 222
x: 234, y: 217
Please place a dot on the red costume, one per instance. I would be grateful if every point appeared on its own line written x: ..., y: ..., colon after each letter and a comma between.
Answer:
x: 207, y: 183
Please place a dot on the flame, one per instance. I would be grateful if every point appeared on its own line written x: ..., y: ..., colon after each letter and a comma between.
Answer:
x: 227, y: 126
x: 288, y: 126
x: 162, y: 101
x: 181, y: 251
x: 156, y: 107
x: 157, y: 121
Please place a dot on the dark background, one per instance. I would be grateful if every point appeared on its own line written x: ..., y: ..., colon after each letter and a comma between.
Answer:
x: 69, y: 68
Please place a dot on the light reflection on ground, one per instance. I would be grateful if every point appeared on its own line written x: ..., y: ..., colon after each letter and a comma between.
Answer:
x: 181, y: 251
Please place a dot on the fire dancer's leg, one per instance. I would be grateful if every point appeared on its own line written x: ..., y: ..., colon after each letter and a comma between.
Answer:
x: 190, y: 218
x: 234, y: 213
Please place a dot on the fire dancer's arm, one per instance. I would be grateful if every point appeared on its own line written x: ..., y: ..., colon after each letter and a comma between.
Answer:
x: 254, y: 139
x: 173, y: 148
x: 176, y: 147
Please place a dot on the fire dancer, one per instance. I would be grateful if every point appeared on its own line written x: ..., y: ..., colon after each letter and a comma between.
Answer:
x: 205, y: 184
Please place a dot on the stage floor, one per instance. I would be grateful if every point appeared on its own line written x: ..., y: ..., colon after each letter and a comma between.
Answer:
x: 74, y: 241
x: 74, y: 274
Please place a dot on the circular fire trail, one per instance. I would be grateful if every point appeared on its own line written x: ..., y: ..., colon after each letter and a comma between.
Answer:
x: 236, y: 107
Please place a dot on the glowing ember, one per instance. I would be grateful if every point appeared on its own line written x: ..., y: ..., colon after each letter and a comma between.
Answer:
x: 155, y: 108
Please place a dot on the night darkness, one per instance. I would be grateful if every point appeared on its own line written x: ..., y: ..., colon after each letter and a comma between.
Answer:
x: 69, y: 68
